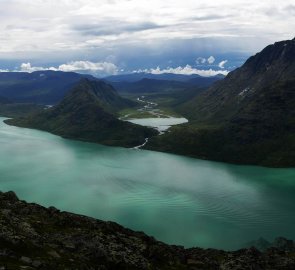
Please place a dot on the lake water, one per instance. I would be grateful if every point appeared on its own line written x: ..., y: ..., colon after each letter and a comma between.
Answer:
x: 161, y: 124
x: 178, y: 200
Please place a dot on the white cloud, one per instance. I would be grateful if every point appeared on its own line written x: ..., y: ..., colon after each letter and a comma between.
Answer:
x: 99, y: 68
x: 211, y: 60
x: 63, y: 25
x: 222, y: 63
x: 201, y: 60
x: 26, y: 67
x: 4, y: 70
x: 186, y: 70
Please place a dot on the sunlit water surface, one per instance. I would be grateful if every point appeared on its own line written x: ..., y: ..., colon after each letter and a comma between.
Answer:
x: 178, y: 200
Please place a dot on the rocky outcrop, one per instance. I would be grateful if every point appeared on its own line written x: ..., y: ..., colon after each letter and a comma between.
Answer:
x: 35, y: 237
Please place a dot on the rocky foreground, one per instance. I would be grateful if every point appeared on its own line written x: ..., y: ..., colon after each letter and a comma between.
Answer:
x: 35, y: 237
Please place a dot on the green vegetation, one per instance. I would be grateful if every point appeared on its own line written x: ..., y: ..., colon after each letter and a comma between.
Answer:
x: 247, y: 118
x: 132, y: 113
x: 19, y: 109
x: 84, y: 114
x: 166, y: 103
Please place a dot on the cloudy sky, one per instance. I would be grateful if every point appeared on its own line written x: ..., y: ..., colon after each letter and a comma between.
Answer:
x: 121, y: 36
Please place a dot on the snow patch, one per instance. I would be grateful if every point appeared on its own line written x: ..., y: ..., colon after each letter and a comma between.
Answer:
x: 244, y: 92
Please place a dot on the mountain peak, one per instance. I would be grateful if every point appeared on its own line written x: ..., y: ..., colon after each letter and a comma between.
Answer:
x: 98, y: 91
x: 274, y: 58
x: 248, y: 117
x: 87, y: 113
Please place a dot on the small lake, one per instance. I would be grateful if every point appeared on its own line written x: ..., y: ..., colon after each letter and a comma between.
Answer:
x: 161, y: 124
x: 176, y: 199
x: 157, y: 118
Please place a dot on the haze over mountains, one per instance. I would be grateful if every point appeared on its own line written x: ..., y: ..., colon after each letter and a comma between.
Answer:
x: 134, y: 77
x: 49, y: 87
x: 162, y: 83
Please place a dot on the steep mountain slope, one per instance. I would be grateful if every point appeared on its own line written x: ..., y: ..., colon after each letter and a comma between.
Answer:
x: 104, y: 94
x: 249, y: 117
x: 43, y: 87
x: 84, y: 114
x: 244, y: 85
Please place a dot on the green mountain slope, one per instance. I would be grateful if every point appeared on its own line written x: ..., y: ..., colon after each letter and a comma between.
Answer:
x: 84, y: 114
x: 247, y: 118
x: 244, y: 85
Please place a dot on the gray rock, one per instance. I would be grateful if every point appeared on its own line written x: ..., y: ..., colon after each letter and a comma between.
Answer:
x: 36, y: 263
x: 26, y: 260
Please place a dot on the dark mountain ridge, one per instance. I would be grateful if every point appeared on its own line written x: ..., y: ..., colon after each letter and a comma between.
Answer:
x: 42, y: 87
x: 247, y: 118
x: 275, y: 63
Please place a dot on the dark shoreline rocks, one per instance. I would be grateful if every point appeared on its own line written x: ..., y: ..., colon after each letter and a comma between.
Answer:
x: 35, y: 237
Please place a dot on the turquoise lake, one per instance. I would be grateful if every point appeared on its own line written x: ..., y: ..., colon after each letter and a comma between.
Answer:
x: 176, y: 199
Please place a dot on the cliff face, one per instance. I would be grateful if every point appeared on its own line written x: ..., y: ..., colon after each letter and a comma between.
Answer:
x: 35, y: 237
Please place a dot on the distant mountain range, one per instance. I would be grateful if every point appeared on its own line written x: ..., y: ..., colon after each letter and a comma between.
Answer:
x: 149, y: 86
x: 85, y: 114
x: 134, y: 77
x: 248, y: 117
x: 42, y: 87
x: 49, y: 87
